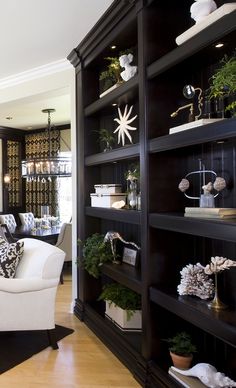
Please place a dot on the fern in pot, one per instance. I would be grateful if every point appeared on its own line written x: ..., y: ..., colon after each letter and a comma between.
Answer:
x: 181, y: 350
x: 123, y: 306
x: 96, y: 252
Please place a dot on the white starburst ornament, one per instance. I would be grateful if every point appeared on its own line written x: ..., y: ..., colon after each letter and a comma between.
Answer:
x: 124, y: 127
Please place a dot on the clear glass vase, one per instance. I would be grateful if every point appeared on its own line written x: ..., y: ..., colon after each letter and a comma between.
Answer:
x: 107, y: 147
x: 132, y: 194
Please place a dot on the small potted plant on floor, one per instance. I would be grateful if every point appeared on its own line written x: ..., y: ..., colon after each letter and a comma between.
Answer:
x: 181, y: 350
x: 123, y: 306
x: 96, y: 252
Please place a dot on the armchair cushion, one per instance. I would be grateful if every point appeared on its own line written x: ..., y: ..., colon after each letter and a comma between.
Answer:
x: 10, y: 255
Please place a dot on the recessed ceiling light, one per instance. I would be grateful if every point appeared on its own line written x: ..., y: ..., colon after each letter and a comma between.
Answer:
x: 114, y: 104
x: 219, y: 45
x: 113, y: 47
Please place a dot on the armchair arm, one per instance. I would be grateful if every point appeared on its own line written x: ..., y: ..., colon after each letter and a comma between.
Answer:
x: 8, y: 234
x: 26, y: 285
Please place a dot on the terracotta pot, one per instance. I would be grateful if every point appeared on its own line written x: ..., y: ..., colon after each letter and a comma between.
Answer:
x: 181, y: 362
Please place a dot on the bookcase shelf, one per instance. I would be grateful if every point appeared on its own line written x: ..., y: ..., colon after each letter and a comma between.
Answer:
x: 168, y: 240
x: 215, y: 229
x: 219, y: 131
x: 220, y: 324
x: 129, y: 216
x: 127, y: 152
x: 203, y: 39
x: 125, y: 274
x: 119, y: 95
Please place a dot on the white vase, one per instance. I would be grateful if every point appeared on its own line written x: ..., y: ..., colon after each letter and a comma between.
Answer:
x: 202, y: 8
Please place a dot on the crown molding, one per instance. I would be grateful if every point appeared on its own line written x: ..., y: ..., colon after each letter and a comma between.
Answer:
x: 37, y: 72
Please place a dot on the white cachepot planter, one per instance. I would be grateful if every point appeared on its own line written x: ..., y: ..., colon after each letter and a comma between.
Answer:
x: 119, y: 316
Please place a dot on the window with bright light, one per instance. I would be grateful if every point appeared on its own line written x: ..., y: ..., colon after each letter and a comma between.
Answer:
x: 65, y: 195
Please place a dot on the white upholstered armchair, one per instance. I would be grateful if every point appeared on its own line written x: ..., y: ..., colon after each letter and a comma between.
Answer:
x: 64, y: 242
x: 27, y: 301
x: 9, y: 220
x: 27, y: 219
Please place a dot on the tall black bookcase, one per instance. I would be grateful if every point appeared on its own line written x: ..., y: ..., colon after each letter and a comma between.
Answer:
x: 168, y: 240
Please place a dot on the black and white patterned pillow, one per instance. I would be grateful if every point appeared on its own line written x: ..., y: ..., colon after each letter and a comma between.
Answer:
x: 10, y: 255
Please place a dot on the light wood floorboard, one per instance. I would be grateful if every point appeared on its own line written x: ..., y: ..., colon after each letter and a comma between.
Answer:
x: 81, y: 361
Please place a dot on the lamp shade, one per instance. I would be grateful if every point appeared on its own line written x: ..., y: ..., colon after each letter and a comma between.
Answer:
x: 43, y: 167
x: 39, y: 168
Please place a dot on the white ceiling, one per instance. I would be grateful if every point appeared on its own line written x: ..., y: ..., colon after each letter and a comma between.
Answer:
x: 36, y: 33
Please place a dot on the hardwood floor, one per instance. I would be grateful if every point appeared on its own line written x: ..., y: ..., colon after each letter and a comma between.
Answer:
x: 82, y: 360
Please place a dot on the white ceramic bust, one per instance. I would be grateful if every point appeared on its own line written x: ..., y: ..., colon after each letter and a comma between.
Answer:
x: 202, y: 8
x: 129, y: 71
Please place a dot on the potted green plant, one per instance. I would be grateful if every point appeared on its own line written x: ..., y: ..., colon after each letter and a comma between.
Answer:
x: 111, y: 76
x: 223, y: 83
x: 96, y: 252
x: 181, y: 350
x: 106, y: 139
x: 123, y: 306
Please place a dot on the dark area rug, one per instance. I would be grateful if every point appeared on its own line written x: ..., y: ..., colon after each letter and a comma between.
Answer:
x: 18, y: 346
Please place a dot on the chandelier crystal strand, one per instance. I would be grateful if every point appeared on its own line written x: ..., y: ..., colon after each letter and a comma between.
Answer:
x: 47, y: 166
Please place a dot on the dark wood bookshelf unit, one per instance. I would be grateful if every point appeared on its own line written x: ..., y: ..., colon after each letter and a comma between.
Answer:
x: 168, y: 240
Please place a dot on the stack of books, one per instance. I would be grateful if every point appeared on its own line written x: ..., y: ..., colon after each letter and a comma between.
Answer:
x: 210, y: 212
x: 186, y: 381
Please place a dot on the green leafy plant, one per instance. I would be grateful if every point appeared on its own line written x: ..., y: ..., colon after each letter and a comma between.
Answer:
x: 96, y: 252
x: 181, y: 344
x: 113, y: 70
x: 231, y: 106
x: 122, y: 297
x: 223, y: 81
x: 106, y: 138
x: 111, y: 75
x: 133, y: 173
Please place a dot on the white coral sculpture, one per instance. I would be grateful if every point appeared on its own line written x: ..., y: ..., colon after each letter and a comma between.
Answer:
x: 219, y: 264
x: 194, y: 281
x: 124, y: 127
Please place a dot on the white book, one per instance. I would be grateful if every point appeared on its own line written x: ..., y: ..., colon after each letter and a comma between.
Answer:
x: 210, y: 216
x: 218, y: 211
x: 212, y: 18
x: 186, y: 381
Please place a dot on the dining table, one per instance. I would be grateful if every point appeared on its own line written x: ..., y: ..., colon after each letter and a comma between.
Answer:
x: 48, y: 234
